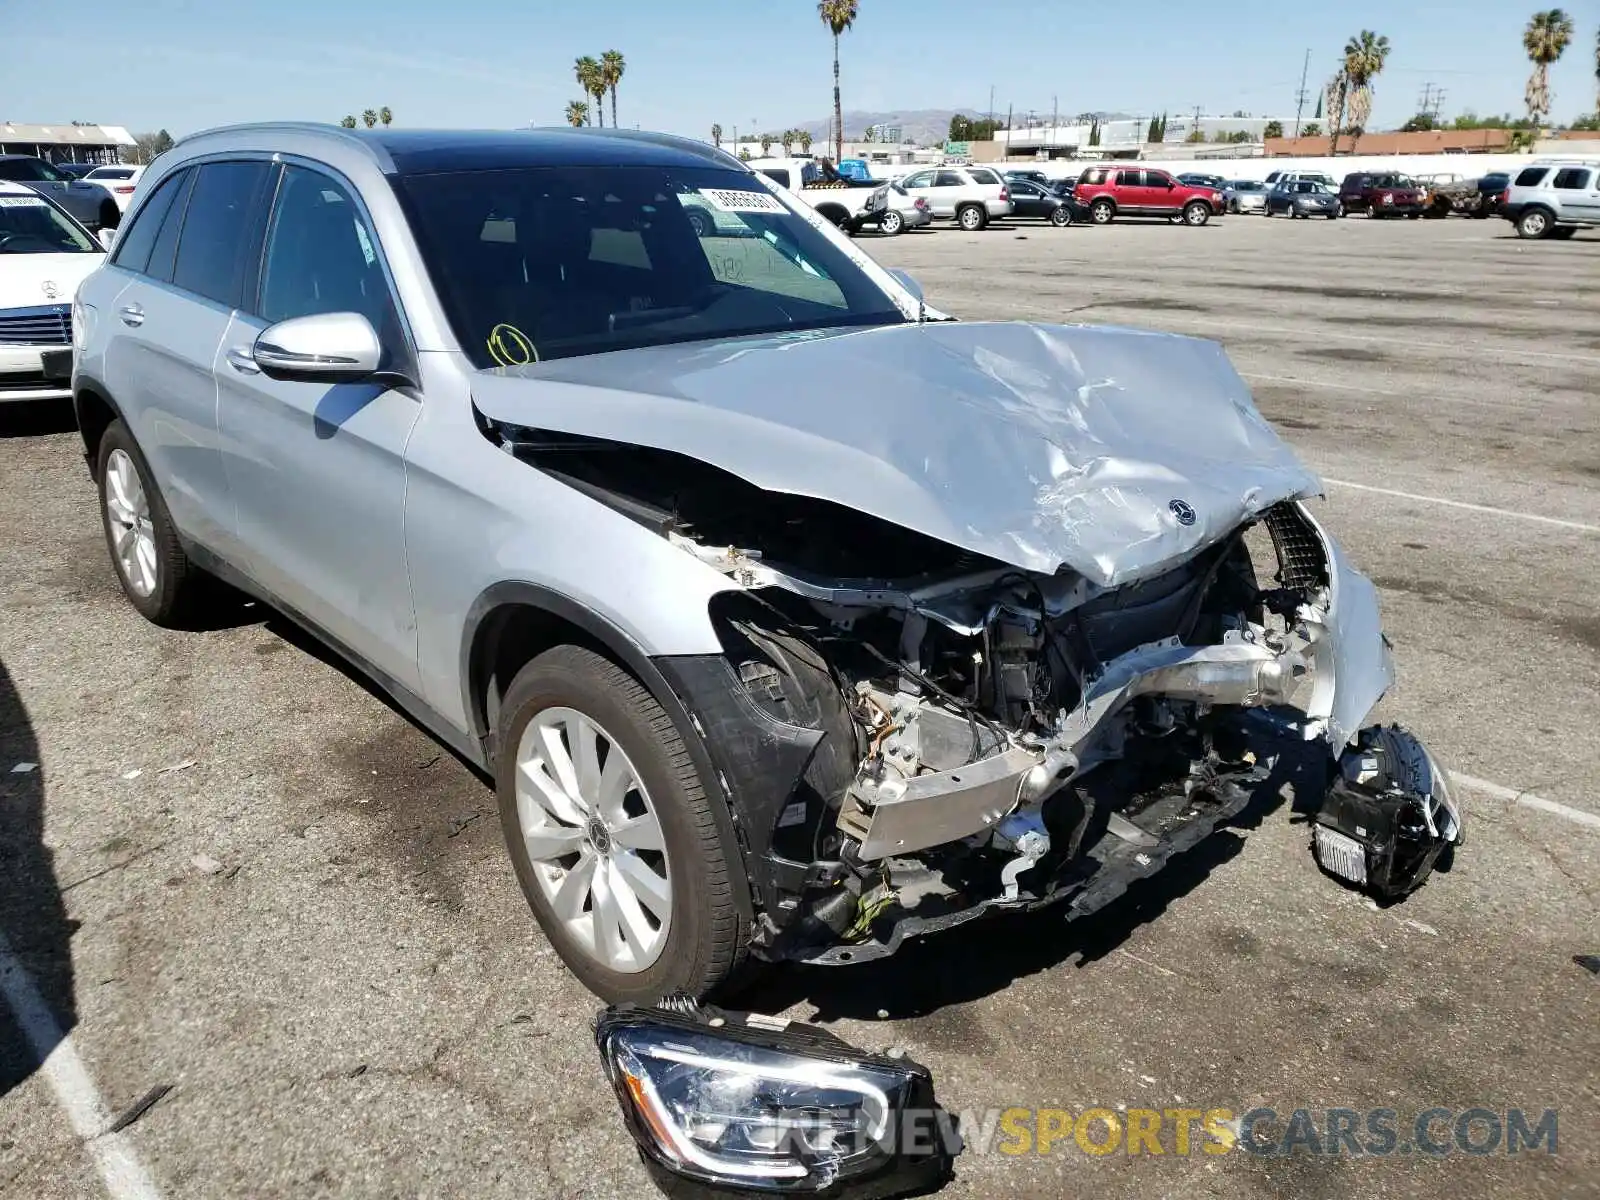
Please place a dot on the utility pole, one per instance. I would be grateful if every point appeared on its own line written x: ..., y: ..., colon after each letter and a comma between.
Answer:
x: 991, y: 104
x: 1302, y: 95
x: 1055, y: 118
x: 1431, y: 101
x: 1008, y: 134
x: 1195, y: 129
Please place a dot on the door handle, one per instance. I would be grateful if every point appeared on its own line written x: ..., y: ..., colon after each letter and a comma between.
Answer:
x: 132, y: 314
x: 242, y: 361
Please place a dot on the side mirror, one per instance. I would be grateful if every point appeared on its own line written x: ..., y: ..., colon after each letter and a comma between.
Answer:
x: 105, y: 237
x: 327, y: 348
x: 906, y: 281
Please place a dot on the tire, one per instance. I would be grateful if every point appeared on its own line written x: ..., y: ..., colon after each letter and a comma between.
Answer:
x: 701, y: 222
x: 1061, y: 217
x: 892, y: 224
x: 110, y: 215
x: 1535, y: 223
x: 1563, y: 232
x: 703, y: 937
x: 1196, y: 214
x: 1102, y: 212
x: 971, y: 217
x: 1412, y: 216
x: 1333, y: 216
x: 156, y: 575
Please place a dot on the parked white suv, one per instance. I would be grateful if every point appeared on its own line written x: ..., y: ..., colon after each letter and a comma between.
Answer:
x: 1554, y: 198
x: 970, y: 196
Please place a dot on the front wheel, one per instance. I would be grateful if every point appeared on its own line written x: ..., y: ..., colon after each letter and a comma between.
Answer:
x: 611, y: 832
x: 892, y: 224
x: 971, y: 218
x: 1563, y: 232
x: 1060, y: 216
x: 1196, y: 214
x: 1535, y: 223
x: 1102, y: 211
x: 152, y: 567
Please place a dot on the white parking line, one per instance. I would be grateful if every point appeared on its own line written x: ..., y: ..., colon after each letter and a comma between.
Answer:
x: 1559, y: 522
x: 1526, y: 800
x: 120, y: 1170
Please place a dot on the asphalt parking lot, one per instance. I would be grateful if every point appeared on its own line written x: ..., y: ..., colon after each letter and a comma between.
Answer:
x: 237, y: 872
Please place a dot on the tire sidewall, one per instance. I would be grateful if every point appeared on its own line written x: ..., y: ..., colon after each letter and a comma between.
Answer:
x: 1060, y: 217
x: 1196, y: 215
x: 970, y: 219
x: 892, y: 224
x: 159, y: 603
x: 546, y: 683
x: 1102, y: 212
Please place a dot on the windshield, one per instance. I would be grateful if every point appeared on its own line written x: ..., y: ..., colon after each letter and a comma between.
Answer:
x: 538, y: 263
x: 32, y: 225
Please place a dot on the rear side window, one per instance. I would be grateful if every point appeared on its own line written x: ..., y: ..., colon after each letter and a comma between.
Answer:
x: 166, y: 247
x: 948, y: 179
x: 136, y: 242
x: 1572, y: 179
x: 1530, y: 176
x: 216, y: 239
x: 777, y: 175
x: 988, y: 177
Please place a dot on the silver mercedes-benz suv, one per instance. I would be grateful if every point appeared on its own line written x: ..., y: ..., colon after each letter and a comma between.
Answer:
x: 791, y: 617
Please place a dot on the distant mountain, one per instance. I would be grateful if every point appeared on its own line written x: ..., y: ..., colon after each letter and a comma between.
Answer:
x: 925, y: 126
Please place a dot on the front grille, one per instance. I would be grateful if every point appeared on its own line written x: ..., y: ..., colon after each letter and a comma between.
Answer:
x: 46, y: 325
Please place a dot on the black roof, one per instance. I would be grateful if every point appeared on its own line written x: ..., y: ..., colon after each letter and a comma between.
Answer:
x: 420, y: 151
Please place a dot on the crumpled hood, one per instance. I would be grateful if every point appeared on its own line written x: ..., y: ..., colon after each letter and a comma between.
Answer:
x: 1114, y: 452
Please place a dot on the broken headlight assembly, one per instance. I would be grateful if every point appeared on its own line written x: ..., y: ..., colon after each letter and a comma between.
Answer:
x: 1388, y: 816
x: 745, y: 1104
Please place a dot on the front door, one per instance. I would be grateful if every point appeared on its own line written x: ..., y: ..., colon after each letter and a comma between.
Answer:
x: 318, y: 470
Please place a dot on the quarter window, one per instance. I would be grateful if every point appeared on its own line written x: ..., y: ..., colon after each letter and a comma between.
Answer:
x: 136, y: 242
x: 321, y: 257
x: 216, y: 242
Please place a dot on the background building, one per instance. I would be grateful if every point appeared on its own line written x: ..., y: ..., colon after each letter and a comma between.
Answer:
x: 66, y: 143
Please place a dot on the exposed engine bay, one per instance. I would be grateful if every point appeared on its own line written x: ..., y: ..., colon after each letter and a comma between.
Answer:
x: 916, y: 734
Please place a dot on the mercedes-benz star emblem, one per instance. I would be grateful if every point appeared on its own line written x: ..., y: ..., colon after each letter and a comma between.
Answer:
x: 50, y: 290
x: 1183, y: 512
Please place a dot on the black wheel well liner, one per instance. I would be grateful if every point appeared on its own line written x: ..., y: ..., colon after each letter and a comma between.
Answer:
x: 829, y: 207
x: 95, y: 411
x: 513, y: 622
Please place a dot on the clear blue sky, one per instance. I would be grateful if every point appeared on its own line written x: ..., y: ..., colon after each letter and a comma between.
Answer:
x: 185, y: 65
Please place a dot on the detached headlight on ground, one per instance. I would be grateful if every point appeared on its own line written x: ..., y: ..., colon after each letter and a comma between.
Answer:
x: 752, y: 1103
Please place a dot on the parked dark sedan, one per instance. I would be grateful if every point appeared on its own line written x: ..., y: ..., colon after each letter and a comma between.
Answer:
x: 1030, y: 199
x: 89, y: 203
x: 1302, y: 198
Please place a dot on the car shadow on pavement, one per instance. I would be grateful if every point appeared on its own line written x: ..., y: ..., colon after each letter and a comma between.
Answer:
x: 37, y: 1007
x: 985, y: 956
x: 36, y: 418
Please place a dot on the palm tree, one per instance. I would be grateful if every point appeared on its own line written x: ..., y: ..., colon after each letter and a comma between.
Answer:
x: 805, y: 142
x: 716, y: 136
x: 577, y: 113
x: 591, y: 79
x: 369, y: 118
x: 612, y: 65
x: 347, y: 122
x: 1548, y: 34
x: 385, y: 115
x: 837, y: 15
x: 1337, y: 92
x: 1364, y: 58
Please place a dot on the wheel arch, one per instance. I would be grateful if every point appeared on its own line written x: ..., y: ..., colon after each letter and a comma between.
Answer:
x: 514, y: 621
x: 837, y: 213
x: 95, y: 411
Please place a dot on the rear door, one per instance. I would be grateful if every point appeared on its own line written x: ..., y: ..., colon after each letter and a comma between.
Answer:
x: 1165, y: 196
x: 948, y: 190
x: 182, y: 286
x: 1131, y: 194
x: 1577, y: 193
x: 318, y: 470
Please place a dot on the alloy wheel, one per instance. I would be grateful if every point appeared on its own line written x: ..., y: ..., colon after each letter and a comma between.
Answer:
x: 594, y: 839
x: 128, y: 514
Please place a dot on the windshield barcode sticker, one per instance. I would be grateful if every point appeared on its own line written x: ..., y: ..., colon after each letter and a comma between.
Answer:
x: 21, y: 202
x: 726, y: 200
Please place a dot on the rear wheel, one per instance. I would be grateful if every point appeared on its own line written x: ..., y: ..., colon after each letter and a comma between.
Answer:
x: 1535, y: 223
x: 1102, y: 211
x: 892, y: 223
x: 971, y: 217
x: 611, y: 832
x: 156, y: 575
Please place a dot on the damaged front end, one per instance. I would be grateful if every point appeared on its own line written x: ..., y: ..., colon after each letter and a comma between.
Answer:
x: 911, y: 734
